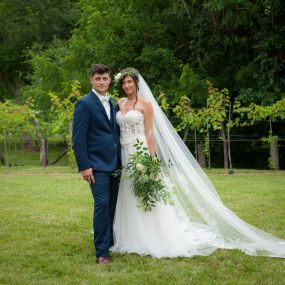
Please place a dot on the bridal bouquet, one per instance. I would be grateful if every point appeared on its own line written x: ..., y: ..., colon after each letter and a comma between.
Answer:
x: 146, y: 178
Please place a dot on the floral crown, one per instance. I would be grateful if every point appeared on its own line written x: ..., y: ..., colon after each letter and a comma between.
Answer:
x: 130, y: 71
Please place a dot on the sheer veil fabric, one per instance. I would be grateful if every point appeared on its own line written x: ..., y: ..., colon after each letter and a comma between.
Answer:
x: 197, y: 203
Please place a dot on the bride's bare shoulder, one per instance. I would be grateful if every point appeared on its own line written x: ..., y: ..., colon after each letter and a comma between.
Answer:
x: 121, y: 101
x: 147, y: 106
x: 146, y: 103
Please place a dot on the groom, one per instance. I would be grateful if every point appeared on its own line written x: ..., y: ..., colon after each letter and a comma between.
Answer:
x: 97, y: 151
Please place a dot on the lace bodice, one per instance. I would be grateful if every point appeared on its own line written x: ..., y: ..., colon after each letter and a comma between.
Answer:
x: 131, y: 126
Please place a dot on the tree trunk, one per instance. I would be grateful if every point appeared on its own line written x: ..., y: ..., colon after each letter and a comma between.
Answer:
x: 186, y: 134
x: 195, y: 139
x: 43, y: 152
x: 274, y: 154
x: 225, y: 147
x: 7, y: 160
x: 201, y: 155
x: 2, y: 158
x: 231, y: 171
x: 209, y: 150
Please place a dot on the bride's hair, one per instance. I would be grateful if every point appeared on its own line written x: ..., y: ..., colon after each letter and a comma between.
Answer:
x: 136, y: 80
x: 134, y: 74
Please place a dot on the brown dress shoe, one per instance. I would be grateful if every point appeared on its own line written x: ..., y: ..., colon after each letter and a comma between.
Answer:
x: 103, y: 260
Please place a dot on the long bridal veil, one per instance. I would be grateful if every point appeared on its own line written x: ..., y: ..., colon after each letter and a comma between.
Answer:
x: 196, y: 201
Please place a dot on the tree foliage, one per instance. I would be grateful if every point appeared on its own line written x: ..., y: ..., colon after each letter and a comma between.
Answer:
x: 23, y: 25
x: 48, y: 47
x: 235, y: 44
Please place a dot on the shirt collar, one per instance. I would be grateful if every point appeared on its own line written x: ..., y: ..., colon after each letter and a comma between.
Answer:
x: 101, y: 97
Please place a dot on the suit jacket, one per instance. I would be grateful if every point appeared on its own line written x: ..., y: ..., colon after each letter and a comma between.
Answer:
x: 95, y: 137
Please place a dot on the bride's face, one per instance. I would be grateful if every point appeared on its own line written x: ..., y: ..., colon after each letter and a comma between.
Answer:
x: 129, y: 86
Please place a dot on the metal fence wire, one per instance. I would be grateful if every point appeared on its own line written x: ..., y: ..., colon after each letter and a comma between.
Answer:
x: 248, y: 148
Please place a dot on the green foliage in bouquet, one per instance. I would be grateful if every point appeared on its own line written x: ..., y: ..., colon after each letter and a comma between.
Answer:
x: 146, y: 178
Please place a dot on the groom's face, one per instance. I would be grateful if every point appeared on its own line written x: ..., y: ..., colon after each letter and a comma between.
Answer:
x: 101, y: 82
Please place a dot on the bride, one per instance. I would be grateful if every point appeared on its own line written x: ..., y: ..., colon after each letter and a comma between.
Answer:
x: 198, y: 223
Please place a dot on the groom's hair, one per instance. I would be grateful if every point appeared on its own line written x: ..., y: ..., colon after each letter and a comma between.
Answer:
x: 99, y: 68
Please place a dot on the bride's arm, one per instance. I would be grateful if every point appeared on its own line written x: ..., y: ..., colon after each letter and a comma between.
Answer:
x: 148, y: 125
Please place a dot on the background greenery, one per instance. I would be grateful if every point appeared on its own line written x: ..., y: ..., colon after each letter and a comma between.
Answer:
x: 47, y: 47
x: 237, y: 44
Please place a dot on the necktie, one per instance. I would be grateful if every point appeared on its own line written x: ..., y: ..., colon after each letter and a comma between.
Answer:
x: 105, y: 103
x: 105, y: 99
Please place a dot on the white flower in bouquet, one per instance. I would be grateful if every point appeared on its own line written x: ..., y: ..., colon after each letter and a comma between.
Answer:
x: 157, y: 178
x: 140, y: 167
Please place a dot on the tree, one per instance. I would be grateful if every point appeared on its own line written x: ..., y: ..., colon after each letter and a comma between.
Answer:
x: 61, y: 123
x: 216, y: 116
x: 14, y: 122
x: 23, y: 25
x: 40, y: 120
x: 255, y: 113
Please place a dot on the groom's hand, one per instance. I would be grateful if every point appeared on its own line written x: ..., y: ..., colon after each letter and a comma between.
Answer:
x: 87, y: 175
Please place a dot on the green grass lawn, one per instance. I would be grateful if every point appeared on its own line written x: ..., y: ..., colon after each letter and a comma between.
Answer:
x: 46, y: 222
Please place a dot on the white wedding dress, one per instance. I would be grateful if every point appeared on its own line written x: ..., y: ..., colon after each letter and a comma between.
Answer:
x: 159, y: 233
x: 198, y: 223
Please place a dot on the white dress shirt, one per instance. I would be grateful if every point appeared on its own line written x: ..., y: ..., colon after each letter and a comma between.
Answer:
x: 105, y: 102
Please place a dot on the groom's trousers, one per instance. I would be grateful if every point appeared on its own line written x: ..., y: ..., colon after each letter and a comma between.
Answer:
x: 105, y: 193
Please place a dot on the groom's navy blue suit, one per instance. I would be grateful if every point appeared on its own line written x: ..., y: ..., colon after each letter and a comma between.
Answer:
x: 96, y: 145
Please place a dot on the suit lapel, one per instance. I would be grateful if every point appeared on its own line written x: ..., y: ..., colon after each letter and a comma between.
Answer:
x: 113, y: 117
x: 102, y: 107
